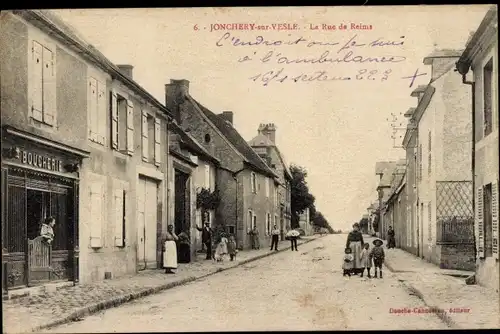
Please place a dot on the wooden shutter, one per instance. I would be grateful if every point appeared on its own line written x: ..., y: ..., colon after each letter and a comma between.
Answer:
x: 37, y: 81
x: 93, y: 109
x: 114, y: 120
x: 119, y: 217
x: 130, y: 127
x: 49, y: 87
x: 494, y: 218
x: 96, y: 214
x: 157, y: 141
x: 480, y: 222
x: 101, y: 113
x: 207, y: 176
x: 144, y: 136
x: 267, y: 187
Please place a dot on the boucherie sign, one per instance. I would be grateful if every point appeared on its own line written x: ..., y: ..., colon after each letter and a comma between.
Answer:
x: 40, y: 161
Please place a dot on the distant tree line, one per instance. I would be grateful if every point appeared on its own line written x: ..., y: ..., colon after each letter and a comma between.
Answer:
x: 302, y: 200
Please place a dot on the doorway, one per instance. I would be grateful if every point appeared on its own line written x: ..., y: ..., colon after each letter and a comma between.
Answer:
x: 181, y: 205
x: 147, y: 201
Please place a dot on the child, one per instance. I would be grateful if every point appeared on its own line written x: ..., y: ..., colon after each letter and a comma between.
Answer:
x: 366, y: 261
x: 221, y: 249
x: 231, y: 248
x: 378, y: 255
x: 348, y: 262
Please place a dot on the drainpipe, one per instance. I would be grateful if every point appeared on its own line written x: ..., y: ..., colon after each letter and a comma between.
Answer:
x: 463, y: 70
x: 235, y: 177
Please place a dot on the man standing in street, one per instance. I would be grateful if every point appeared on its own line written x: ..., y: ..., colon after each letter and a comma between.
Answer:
x: 206, y: 238
x: 275, y: 237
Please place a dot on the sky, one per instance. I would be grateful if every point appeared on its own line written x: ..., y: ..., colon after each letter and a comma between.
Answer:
x: 336, y: 129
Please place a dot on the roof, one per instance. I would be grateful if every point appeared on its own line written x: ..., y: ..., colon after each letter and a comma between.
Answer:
x: 52, y: 22
x: 192, y: 143
x: 260, y: 140
x: 442, y: 53
x: 237, y: 141
x: 486, y: 30
x: 420, y: 89
x: 381, y: 166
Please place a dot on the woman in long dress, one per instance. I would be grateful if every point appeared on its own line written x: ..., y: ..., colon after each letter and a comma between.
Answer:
x: 221, y: 249
x: 170, y: 250
x: 355, y: 242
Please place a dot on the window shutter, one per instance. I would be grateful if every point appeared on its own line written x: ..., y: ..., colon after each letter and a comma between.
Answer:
x: 114, y: 120
x: 49, y: 87
x: 207, y: 176
x: 130, y: 127
x: 119, y: 218
x: 494, y: 218
x: 480, y: 223
x: 101, y: 113
x: 144, y: 136
x: 267, y: 187
x: 37, y: 81
x: 96, y: 196
x: 157, y: 141
x: 93, y: 109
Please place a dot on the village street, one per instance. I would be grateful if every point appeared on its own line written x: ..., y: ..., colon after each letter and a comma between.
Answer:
x: 301, y: 290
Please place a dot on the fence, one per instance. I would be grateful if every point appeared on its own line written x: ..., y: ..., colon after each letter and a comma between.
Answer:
x: 454, y: 212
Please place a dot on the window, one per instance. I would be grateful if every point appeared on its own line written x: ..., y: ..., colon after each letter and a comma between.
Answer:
x: 96, y: 214
x: 122, y: 124
x: 97, y: 110
x: 250, y: 219
x: 207, y: 138
x: 253, y: 182
x: 207, y: 176
x: 231, y: 229
x: 119, y: 202
x: 267, y: 187
x: 487, y: 221
x: 268, y: 224
x: 42, y: 84
x: 429, y: 158
x: 487, y: 97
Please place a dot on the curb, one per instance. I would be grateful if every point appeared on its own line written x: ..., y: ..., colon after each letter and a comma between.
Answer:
x: 116, y: 301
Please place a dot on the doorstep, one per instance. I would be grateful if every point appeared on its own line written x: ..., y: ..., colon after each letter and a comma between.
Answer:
x: 37, y: 290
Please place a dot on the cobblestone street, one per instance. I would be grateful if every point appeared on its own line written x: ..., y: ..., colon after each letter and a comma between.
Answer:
x: 301, y: 290
x: 28, y: 313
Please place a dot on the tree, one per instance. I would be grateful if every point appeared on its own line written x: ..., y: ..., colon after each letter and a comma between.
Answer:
x: 320, y: 222
x: 301, y: 199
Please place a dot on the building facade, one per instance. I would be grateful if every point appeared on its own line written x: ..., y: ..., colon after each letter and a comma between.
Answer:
x: 481, y: 57
x: 385, y: 170
x: 88, y: 150
x: 444, y: 177
x: 264, y: 144
x: 245, y: 183
x: 305, y: 222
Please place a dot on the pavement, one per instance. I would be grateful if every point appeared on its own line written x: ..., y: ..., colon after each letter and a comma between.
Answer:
x: 439, y: 289
x: 302, y: 290
x: 36, y: 312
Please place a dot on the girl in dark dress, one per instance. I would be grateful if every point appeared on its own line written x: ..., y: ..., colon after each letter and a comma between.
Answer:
x: 355, y: 242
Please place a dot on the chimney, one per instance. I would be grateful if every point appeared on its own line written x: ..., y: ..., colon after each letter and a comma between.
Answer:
x: 175, y: 93
x: 227, y: 115
x: 442, y: 61
x: 261, y: 128
x: 126, y: 70
x: 271, y: 132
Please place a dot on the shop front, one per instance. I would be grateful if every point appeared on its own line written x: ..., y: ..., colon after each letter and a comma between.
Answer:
x: 39, y: 180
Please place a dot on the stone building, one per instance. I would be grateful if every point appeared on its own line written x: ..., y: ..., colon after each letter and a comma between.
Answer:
x: 481, y: 57
x: 84, y: 143
x: 245, y: 182
x: 444, y: 180
x: 264, y: 144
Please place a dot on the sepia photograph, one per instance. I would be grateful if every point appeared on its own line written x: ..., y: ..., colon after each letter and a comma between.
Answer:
x: 218, y: 169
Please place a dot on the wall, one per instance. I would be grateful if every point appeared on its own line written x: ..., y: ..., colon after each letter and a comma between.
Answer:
x: 487, y: 165
x: 411, y: 192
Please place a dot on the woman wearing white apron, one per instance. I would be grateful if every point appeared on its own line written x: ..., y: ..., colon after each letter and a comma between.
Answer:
x: 170, y: 250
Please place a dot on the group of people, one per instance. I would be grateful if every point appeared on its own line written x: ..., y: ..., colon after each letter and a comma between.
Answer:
x: 358, y: 257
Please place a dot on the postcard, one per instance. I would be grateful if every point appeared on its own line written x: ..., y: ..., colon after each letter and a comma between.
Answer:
x: 250, y: 169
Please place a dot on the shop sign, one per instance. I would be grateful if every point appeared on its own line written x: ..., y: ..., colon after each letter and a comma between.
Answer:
x: 37, y: 160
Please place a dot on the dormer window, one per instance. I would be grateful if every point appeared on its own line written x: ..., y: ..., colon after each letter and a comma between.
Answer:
x: 207, y: 138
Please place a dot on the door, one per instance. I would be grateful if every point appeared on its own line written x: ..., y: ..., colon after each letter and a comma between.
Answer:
x: 147, y: 198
